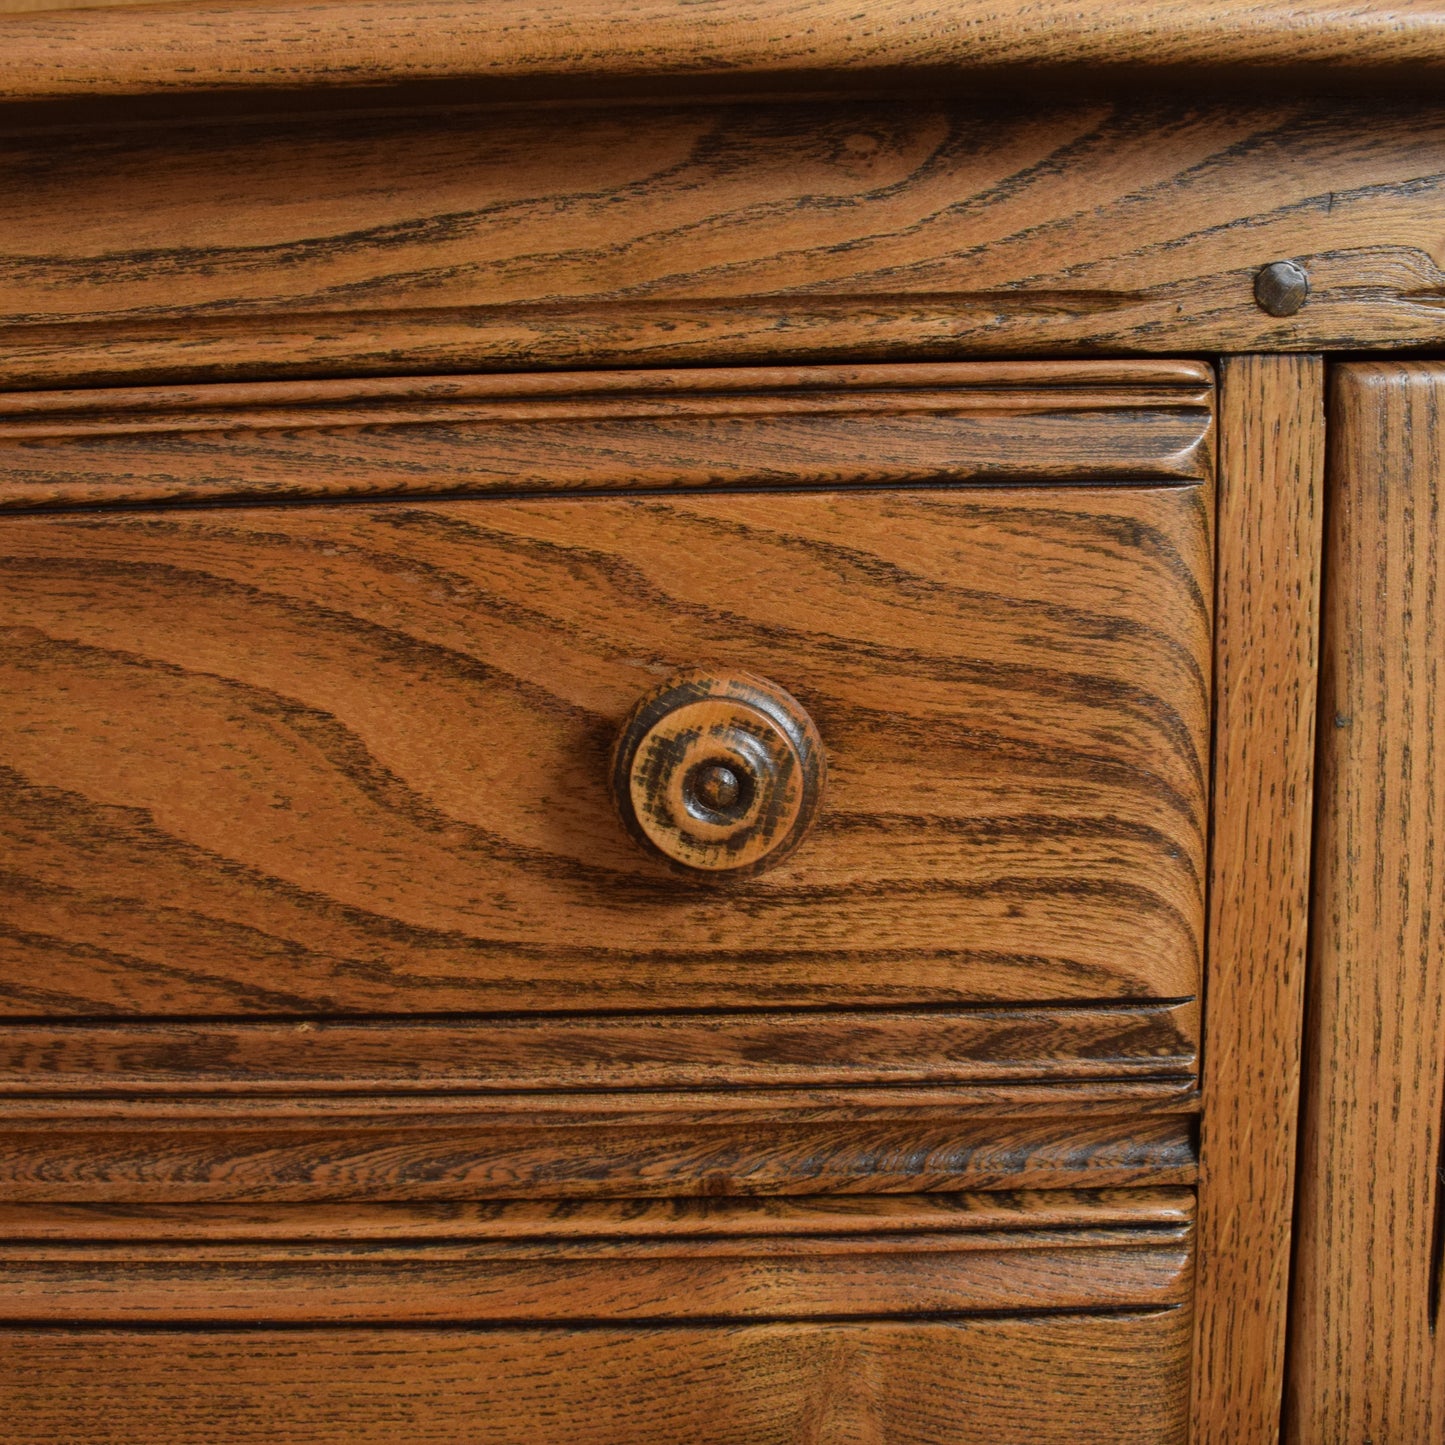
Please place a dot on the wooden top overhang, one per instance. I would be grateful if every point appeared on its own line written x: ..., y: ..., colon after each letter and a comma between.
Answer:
x: 392, y: 187
x: 498, y: 49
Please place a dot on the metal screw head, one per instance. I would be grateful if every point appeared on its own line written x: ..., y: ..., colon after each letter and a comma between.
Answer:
x: 1282, y: 287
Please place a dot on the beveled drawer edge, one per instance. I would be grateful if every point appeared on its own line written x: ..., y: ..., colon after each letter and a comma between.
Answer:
x: 840, y: 1048
x: 1079, y: 423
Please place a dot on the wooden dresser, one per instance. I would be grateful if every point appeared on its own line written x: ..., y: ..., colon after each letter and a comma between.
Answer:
x: 658, y: 764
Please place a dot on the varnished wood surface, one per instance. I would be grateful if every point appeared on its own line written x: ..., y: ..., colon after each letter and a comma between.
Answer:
x: 1266, y: 648
x: 695, y: 1218
x: 899, y: 386
x: 558, y: 1052
x: 1092, y: 1379
x: 477, y: 1284
x: 662, y: 236
x: 431, y: 1286
x: 906, y: 1257
x: 436, y: 1286
x: 1367, y: 1354
x: 316, y: 1148
x: 351, y: 758
x: 757, y: 426
x: 23, y: 6
x: 549, y: 47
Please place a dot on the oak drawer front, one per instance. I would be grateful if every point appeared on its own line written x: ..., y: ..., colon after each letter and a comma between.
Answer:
x: 1017, y: 1317
x: 354, y: 758
x: 1063, y: 1380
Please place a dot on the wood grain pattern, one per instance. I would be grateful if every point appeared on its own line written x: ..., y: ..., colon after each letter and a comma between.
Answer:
x: 760, y: 1049
x: 755, y: 426
x: 488, y: 1284
x: 694, y: 1218
x: 303, y: 760
x: 550, y: 47
x: 1092, y: 1379
x: 910, y: 1256
x: 16, y: 7
x: 1266, y: 649
x: 543, y: 238
x: 1367, y: 1358
x: 317, y: 1148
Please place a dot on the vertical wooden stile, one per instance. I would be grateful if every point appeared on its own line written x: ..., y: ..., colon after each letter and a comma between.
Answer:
x: 1266, y: 649
x: 1366, y: 1359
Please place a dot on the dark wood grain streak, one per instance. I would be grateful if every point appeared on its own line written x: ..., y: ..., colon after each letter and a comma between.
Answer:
x: 1368, y: 1359
x: 536, y: 48
x: 608, y: 1052
x: 304, y: 760
x: 519, y: 240
x: 1266, y: 646
x: 754, y: 427
x: 1093, y: 1379
x: 450, y: 1148
x: 942, y: 1261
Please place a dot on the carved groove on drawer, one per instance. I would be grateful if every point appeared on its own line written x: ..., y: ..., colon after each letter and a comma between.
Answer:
x: 1075, y: 422
x: 630, y: 1261
x: 667, y: 1051
x: 764, y: 1142
x: 834, y: 1215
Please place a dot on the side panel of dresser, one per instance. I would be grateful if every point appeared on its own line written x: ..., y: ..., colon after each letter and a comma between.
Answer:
x: 1368, y: 1362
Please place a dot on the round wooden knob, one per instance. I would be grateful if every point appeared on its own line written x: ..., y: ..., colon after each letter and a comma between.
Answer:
x: 720, y: 773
